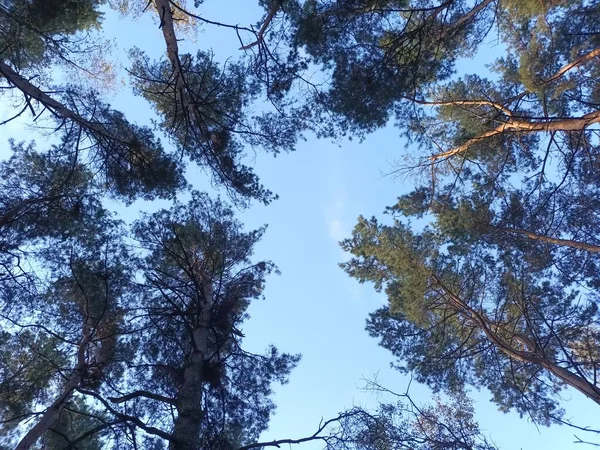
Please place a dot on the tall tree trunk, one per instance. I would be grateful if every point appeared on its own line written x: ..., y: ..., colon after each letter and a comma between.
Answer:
x: 187, y: 426
x: 163, y: 7
x: 167, y: 24
x: 522, y: 125
x: 189, y: 108
x: 30, y: 91
x: 531, y: 355
x: 52, y: 412
x: 556, y: 241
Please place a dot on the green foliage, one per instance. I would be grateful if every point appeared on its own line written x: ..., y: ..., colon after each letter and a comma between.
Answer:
x: 199, y: 269
x: 450, y: 425
x: 37, y: 31
x: 381, y: 52
x: 129, y: 160
x: 63, y: 319
x: 43, y: 194
x: 75, y: 421
x: 497, y: 291
x: 206, y: 117
x: 515, y: 285
x: 443, y: 425
x: 507, y: 265
x: 27, y: 361
x: 87, y: 325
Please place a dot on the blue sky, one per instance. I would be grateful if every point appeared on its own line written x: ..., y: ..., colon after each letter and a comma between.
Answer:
x: 313, y: 308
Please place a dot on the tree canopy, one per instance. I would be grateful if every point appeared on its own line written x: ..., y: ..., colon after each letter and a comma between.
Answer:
x: 130, y: 335
x: 107, y: 346
x: 490, y: 263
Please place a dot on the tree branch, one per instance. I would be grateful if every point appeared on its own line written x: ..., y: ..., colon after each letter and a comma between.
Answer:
x: 127, y: 418
x: 315, y: 436
x: 551, y: 240
x: 263, y: 28
x: 581, y: 60
x: 524, y: 126
x: 498, y: 106
x: 136, y: 394
x: 58, y: 109
x: 532, y: 355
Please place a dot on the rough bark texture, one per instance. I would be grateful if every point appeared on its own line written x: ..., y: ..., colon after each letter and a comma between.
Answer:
x: 187, y: 426
x: 531, y: 355
x: 58, y: 109
x: 550, y: 240
x: 53, y: 411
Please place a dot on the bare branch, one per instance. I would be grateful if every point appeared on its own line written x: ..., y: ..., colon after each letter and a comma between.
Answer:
x: 314, y: 437
x: 137, y: 394
x: 531, y: 355
x: 127, y: 418
x: 495, y: 105
x: 263, y: 28
x: 577, y: 62
x: 523, y: 126
x: 551, y: 240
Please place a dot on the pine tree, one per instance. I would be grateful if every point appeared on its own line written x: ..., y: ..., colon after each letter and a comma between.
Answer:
x: 199, y: 281
x: 498, y: 290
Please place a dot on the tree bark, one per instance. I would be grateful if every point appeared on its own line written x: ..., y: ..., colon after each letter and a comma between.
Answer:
x: 531, y: 355
x: 189, y: 108
x: 577, y: 62
x: 187, y: 426
x: 263, y: 28
x: 167, y: 25
x: 525, y: 126
x: 138, y: 394
x: 53, y: 411
x: 58, y: 109
x: 550, y: 240
x: 512, y: 125
x: 470, y: 15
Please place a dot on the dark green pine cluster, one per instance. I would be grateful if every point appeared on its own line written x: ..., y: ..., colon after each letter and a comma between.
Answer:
x: 491, y: 263
x: 120, y: 335
x: 129, y: 335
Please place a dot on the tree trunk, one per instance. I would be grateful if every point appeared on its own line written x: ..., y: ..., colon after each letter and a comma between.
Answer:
x: 31, y: 91
x: 187, y: 426
x: 53, y: 411
x: 163, y: 7
x: 167, y: 24
x: 531, y: 356
x: 550, y: 240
